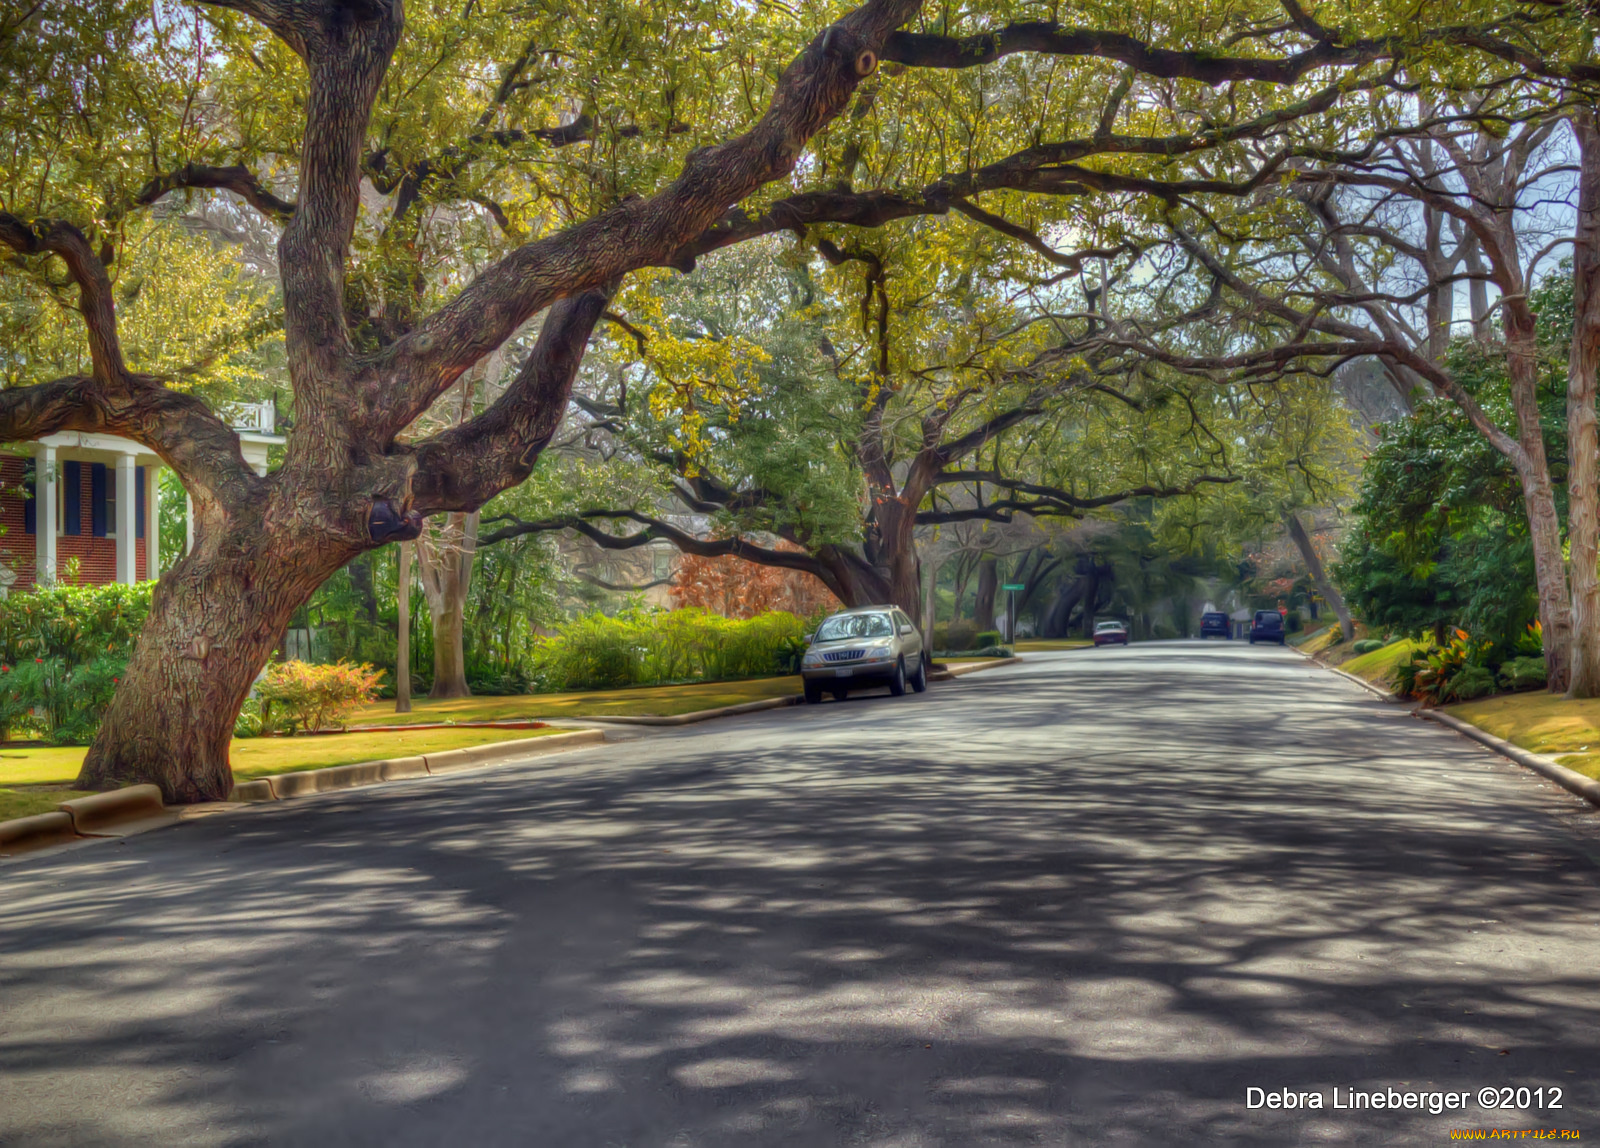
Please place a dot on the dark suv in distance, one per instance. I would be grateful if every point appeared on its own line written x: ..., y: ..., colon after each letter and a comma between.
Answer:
x: 1215, y: 625
x: 1268, y: 627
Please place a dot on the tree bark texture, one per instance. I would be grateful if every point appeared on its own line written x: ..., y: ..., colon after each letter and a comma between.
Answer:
x: 402, y: 657
x: 1538, y: 493
x: 214, y: 621
x: 1319, y: 575
x: 988, y: 585
x: 1583, y: 444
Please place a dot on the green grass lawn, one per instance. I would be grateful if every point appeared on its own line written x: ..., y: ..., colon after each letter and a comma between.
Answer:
x: 1378, y: 666
x: 260, y: 756
x: 1565, y: 729
x: 1041, y: 644
x: 643, y: 701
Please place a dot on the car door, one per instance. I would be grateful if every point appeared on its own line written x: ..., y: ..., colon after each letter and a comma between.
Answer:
x: 910, y: 640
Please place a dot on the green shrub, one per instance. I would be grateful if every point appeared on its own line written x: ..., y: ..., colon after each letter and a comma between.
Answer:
x: 76, y: 624
x: 983, y: 639
x: 653, y: 647
x: 1469, y: 682
x: 1367, y: 645
x: 955, y: 635
x: 64, y: 704
x: 1528, y: 673
x: 300, y: 696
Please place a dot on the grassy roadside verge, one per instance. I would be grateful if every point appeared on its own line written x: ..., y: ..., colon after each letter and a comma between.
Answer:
x: 641, y: 701
x: 33, y: 779
x: 1378, y: 666
x: 1548, y: 724
x: 1039, y: 645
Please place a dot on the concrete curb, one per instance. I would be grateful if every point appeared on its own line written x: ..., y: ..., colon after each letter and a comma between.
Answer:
x: 1567, y: 779
x: 955, y: 672
x: 283, y: 786
x: 119, y: 812
x: 42, y: 830
x: 700, y: 715
x: 1570, y: 780
x: 1362, y: 682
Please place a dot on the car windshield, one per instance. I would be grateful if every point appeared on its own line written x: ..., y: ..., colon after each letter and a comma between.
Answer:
x: 1109, y: 626
x: 1215, y: 618
x: 844, y: 626
x: 1268, y: 618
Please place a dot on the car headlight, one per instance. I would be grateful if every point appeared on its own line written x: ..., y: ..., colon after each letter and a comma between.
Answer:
x: 879, y: 651
x: 812, y: 658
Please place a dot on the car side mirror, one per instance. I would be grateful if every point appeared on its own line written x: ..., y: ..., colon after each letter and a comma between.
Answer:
x: 904, y: 630
x: 807, y: 639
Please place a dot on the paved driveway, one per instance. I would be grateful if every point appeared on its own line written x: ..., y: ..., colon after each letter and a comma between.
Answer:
x: 1088, y: 900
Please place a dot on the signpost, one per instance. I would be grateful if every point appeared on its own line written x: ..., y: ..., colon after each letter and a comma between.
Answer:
x: 1011, y: 589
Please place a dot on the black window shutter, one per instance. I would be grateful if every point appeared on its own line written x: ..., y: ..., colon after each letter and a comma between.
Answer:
x: 97, y: 499
x: 30, y: 502
x: 72, y: 498
x: 138, y: 501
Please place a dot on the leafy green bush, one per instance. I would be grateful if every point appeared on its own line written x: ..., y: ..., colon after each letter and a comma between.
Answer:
x: 76, y: 624
x: 300, y: 696
x: 652, y: 647
x: 1470, y: 682
x: 984, y: 639
x: 955, y: 635
x: 1367, y: 645
x: 61, y: 702
x: 1528, y: 673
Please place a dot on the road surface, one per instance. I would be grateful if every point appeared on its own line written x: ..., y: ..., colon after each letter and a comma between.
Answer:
x: 1090, y: 899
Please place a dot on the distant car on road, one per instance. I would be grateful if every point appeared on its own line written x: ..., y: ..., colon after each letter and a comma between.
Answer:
x: 863, y: 648
x: 1215, y: 624
x: 1110, y: 633
x: 1268, y: 627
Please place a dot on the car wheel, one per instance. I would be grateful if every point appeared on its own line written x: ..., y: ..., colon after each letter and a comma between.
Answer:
x: 1283, y: 641
x: 897, y: 684
x: 840, y: 693
x: 813, y: 694
x: 1252, y: 641
x: 919, y: 680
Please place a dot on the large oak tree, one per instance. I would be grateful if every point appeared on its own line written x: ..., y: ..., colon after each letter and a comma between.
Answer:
x: 309, y: 122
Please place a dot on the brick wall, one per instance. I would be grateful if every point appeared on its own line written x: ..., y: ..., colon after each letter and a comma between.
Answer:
x: 97, y: 557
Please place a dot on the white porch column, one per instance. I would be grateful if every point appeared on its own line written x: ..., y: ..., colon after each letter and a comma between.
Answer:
x: 44, y: 518
x: 127, y: 521
x: 152, y: 522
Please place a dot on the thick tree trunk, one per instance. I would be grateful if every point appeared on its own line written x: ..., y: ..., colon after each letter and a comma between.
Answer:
x: 402, y: 658
x: 988, y: 584
x: 1583, y: 444
x: 1538, y: 495
x: 1325, y: 586
x: 930, y: 598
x: 214, y: 621
x: 445, y: 554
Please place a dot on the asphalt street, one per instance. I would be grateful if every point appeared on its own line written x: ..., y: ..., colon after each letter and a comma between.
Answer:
x: 1090, y: 899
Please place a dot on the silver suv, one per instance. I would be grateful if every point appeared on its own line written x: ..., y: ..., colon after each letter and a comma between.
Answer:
x: 862, y: 648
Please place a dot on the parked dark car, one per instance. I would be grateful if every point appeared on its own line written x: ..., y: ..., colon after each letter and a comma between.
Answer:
x: 1215, y: 625
x: 1110, y: 633
x: 1268, y: 627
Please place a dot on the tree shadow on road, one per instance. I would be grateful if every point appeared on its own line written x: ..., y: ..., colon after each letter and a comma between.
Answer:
x: 1096, y: 917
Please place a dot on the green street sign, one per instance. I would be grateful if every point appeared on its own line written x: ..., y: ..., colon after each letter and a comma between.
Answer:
x: 1013, y: 586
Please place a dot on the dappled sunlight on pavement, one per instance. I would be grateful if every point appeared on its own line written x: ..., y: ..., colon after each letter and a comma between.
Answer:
x: 1088, y: 899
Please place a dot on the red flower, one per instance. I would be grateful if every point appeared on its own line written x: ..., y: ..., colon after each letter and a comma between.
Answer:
x: 39, y: 660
